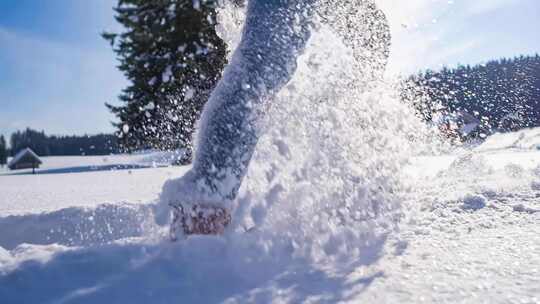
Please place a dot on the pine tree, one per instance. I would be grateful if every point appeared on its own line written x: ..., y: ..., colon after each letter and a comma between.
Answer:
x: 172, y: 57
x: 3, y: 151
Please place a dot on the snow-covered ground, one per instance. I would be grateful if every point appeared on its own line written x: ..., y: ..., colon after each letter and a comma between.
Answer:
x: 84, y: 181
x: 471, y: 234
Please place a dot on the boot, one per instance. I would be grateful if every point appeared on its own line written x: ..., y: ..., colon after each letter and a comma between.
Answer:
x: 199, y: 219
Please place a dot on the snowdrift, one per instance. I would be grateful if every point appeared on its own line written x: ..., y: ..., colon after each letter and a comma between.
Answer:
x: 528, y: 139
x: 75, y: 226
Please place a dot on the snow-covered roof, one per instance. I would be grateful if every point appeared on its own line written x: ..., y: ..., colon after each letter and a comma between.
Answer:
x: 24, y: 153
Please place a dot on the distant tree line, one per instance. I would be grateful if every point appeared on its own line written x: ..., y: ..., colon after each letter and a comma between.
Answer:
x: 502, y: 95
x: 45, y: 145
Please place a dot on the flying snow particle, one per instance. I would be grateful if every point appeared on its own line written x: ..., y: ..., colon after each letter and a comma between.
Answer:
x: 150, y: 106
x: 197, y: 5
x: 167, y: 74
x: 172, y: 117
x: 188, y: 95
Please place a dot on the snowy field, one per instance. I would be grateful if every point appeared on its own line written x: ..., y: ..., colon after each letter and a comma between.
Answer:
x: 92, y: 180
x: 82, y: 231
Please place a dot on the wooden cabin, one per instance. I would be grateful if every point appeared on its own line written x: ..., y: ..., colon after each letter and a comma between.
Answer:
x: 25, y: 159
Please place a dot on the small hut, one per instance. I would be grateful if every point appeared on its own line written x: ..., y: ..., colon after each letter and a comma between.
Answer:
x: 25, y: 159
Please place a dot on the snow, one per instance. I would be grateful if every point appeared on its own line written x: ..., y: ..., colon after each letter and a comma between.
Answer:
x: 341, y: 204
x: 84, y: 181
x: 469, y: 235
x: 189, y: 93
x: 82, y: 230
x: 528, y: 139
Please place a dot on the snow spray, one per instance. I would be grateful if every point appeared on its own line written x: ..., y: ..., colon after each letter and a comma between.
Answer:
x: 325, y: 180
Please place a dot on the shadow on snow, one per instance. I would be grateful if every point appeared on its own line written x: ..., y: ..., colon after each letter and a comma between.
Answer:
x: 81, y: 169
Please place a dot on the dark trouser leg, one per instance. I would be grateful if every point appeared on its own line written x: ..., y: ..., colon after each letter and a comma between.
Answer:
x: 276, y: 31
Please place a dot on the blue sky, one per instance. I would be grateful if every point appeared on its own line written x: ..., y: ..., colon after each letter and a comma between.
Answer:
x: 56, y: 72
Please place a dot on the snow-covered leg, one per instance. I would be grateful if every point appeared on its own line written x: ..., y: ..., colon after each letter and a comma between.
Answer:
x: 275, y: 33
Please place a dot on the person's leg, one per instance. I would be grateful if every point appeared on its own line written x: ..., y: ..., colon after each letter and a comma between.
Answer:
x: 275, y: 32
